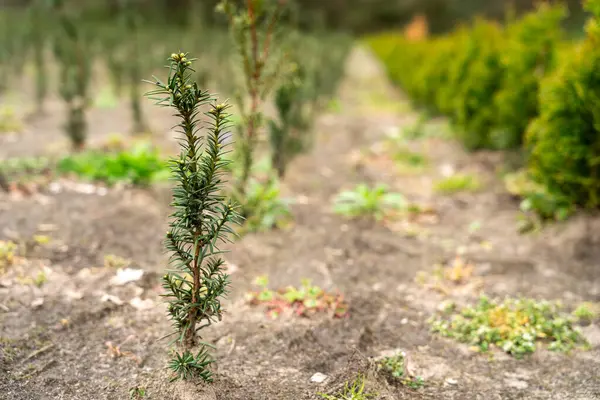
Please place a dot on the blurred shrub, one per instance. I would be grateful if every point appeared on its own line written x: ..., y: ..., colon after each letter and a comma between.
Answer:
x: 530, y: 54
x: 484, y: 77
x: 475, y: 76
x: 564, y: 141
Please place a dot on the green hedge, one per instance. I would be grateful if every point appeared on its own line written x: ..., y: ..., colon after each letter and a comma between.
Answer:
x: 531, y: 53
x: 518, y: 86
x: 483, y: 76
x: 564, y: 140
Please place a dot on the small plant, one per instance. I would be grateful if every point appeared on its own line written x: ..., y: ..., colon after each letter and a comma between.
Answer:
x: 512, y: 325
x: 139, y: 166
x: 269, y: 210
x: 457, y: 183
x: 537, y: 205
x: 354, y: 390
x: 375, y: 202
x: 408, y: 161
x: 303, y: 301
x: 586, y: 312
x: 395, y: 367
x: 137, y: 393
x: 115, y: 262
x: 8, y: 251
x: 40, y: 279
x: 201, y: 219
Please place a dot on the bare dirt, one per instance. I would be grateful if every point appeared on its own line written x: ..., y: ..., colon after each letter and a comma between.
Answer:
x: 56, y: 340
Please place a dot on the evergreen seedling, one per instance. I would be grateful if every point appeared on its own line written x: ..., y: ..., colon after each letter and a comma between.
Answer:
x: 70, y: 51
x: 253, y: 28
x: 201, y: 219
x: 134, y: 64
x: 37, y: 27
x: 286, y: 134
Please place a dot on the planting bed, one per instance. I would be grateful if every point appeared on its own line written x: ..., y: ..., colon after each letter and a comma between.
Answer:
x: 80, y: 334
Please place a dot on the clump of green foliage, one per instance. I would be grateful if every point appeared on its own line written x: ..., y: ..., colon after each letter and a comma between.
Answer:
x: 71, y: 49
x: 269, y: 209
x: 395, y: 367
x: 8, y: 251
x: 202, y: 218
x: 137, y: 393
x: 587, y: 312
x: 27, y: 173
x: 408, y: 161
x: 140, y: 165
x: 457, y: 183
x: 354, y: 390
x: 564, y: 141
x: 538, y: 206
x: 304, y: 301
x: 515, y: 326
x: 530, y: 54
x: 376, y: 202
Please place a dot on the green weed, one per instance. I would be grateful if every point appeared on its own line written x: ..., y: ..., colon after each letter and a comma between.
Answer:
x: 587, y: 312
x: 137, y: 393
x: 457, y: 183
x: 303, y: 301
x: 409, y: 161
x: 8, y: 252
x: 514, y: 325
x: 269, y: 209
x: 374, y: 202
x: 394, y: 366
x: 354, y: 390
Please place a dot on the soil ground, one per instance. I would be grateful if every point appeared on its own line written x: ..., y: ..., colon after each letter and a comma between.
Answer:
x: 55, y: 339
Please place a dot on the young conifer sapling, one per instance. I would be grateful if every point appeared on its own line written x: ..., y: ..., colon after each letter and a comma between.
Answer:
x: 202, y: 217
x: 254, y: 27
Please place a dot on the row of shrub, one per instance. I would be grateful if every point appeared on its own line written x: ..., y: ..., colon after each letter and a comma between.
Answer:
x: 517, y: 86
